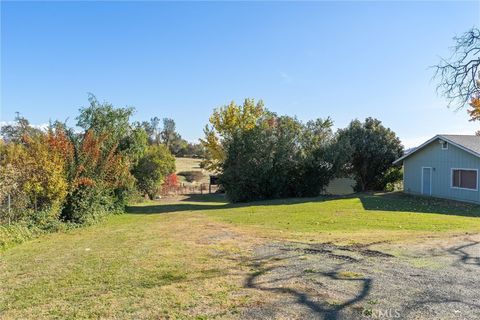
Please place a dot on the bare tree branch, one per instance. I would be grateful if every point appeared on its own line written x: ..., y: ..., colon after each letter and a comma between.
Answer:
x: 458, y: 75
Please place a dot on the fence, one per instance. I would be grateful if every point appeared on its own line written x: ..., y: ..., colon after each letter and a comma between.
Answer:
x: 184, y: 189
x: 10, y: 208
x: 13, y: 207
x: 6, y: 210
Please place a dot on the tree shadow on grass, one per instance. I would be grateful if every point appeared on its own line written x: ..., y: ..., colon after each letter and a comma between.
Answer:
x: 394, y: 202
x: 175, y: 207
x: 208, y: 197
x: 401, y: 202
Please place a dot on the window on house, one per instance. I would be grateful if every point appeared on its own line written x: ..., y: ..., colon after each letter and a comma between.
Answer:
x: 444, y: 145
x: 466, y: 179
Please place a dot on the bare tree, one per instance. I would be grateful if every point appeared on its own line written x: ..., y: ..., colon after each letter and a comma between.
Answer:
x: 458, y: 75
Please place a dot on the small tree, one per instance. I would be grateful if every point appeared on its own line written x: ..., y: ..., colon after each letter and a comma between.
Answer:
x: 152, y: 169
x: 99, y: 179
x: 170, y: 182
x: 371, y: 149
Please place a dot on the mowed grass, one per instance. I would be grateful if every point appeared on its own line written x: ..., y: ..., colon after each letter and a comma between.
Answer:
x: 189, y: 259
x: 131, y: 267
x: 366, y: 217
x: 357, y: 218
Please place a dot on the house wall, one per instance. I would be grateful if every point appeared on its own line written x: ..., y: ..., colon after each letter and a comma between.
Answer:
x: 441, y: 161
x: 340, y: 186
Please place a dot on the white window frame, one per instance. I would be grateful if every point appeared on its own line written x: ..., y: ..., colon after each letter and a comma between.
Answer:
x: 444, y: 143
x: 431, y: 169
x: 466, y: 169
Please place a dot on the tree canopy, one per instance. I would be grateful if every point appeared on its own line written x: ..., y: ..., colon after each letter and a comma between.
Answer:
x: 225, y: 122
x: 281, y: 157
x: 370, y: 149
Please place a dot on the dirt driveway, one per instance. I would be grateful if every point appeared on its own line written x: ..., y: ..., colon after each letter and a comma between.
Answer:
x: 437, y: 279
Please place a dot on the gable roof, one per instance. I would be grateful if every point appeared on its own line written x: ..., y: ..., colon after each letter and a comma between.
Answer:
x: 468, y: 143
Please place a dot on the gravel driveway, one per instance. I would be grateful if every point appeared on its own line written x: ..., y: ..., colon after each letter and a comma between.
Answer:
x: 437, y: 279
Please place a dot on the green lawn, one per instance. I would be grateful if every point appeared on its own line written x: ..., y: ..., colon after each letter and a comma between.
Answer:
x: 189, y: 259
x: 131, y: 266
x: 369, y: 217
x: 387, y: 214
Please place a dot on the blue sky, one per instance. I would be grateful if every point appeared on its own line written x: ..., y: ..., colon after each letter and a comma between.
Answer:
x: 345, y: 60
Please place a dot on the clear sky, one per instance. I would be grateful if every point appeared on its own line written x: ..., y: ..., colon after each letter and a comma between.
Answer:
x: 345, y: 60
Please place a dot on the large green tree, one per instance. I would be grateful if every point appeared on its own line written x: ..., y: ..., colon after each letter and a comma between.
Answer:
x: 113, y: 124
x: 280, y: 157
x: 371, y: 149
x: 225, y: 122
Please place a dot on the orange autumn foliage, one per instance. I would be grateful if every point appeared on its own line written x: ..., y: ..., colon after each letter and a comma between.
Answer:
x: 95, y: 164
x: 474, y: 112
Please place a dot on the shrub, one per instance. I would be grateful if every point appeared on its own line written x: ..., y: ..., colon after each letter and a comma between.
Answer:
x: 46, y: 185
x: 33, y: 174
x: 88, y: 204
x: 152, y: 169
x: 170, y: 183
x: 100, y: 180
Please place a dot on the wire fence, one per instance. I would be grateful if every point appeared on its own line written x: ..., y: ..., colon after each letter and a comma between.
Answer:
x: 14, y: 207
x: 185, y: 189
x: 6, y: 210
x: 11, y: 208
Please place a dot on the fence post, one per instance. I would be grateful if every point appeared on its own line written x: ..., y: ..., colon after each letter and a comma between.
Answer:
x: 9, y: 210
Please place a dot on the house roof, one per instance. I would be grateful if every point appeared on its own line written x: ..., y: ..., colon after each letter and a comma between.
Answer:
x: 468, y: 143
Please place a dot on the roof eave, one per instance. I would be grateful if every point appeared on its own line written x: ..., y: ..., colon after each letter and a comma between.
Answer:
x: 438, y: 136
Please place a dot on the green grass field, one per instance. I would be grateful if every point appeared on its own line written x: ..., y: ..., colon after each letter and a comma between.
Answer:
x: 355, y: 218
x: 189, y: 259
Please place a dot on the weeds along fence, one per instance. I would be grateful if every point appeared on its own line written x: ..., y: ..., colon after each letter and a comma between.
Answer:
x: 14, y: 207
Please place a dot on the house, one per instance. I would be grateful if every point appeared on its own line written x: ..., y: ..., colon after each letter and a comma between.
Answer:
x: 445, y: 166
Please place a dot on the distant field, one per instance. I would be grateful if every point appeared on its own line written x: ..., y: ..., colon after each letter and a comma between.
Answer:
x: 190, y: 164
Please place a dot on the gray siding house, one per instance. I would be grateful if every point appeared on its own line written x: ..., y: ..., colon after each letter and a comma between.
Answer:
x: 445, y: 166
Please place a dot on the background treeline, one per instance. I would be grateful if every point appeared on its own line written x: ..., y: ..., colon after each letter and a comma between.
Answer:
x: 62, y: 176
x: 260, y: 155
x: 167, y: 135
